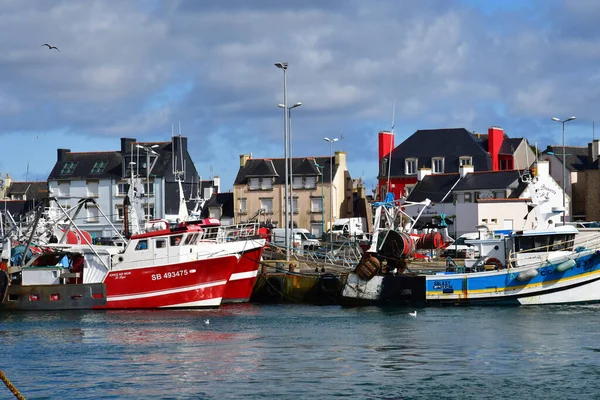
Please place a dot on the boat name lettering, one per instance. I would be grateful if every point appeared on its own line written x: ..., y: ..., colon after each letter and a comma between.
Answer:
x: 170, y: 274
x: 122, y: 275
x: 442, y: 285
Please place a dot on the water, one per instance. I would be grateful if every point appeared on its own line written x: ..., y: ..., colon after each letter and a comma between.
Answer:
x: 297, y: 352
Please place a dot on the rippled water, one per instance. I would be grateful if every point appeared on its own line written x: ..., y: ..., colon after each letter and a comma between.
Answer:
x: 294, y: 352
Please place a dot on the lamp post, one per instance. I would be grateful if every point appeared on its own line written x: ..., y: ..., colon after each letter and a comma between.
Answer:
x: 148, y: 168
x: 291, y: 160
x: 322, y: 199
x: 564, y: 165
x: 331, y: 141
x: 283, y: 66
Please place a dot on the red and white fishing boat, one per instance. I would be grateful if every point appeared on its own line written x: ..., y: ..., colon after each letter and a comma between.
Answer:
x: 166, y: 268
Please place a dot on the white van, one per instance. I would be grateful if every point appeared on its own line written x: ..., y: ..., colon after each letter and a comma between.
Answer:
x: 460, y: 249
x: 302, y: 239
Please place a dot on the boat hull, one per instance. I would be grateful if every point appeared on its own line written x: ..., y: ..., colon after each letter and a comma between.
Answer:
x: 54, y: 297
x: 242, y: 280
x: 548, y: 284
x: 198, y: 284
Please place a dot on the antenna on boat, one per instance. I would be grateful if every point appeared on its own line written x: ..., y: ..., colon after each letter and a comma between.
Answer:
x: 391, y: 150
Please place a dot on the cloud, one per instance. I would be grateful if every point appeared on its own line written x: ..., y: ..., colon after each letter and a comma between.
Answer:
x: 135, y: 68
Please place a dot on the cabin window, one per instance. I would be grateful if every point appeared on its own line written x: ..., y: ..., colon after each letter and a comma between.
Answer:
x: 410, y: 166
x: 175, y: 240
x: 437, y: 165
x: 190, y: 238
x: 465, y: 161
x: 161, y: 243
x: 142, y: 245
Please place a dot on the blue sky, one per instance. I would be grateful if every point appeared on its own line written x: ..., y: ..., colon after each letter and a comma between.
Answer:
x: 135, y: 68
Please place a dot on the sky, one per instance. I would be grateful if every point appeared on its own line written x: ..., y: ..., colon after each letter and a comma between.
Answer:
x: 136, y: 68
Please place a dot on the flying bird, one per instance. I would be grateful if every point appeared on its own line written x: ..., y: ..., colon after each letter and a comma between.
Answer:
x: 206, y: 322
x: 50, y: 47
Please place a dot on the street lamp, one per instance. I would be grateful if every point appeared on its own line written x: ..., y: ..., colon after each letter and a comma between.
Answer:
x: 564, y: 165
x: 291, y: 160
x: 322, y: 199
x: 283, y: 66
x: 331, y: 141
x: 148, y: 168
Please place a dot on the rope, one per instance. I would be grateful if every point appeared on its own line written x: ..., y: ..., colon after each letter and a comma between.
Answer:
x: 10, y: 386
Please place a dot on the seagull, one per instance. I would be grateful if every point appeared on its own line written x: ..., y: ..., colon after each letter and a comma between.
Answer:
x: 413, y: 314
x: 50, y: 47
x: 206, y: 322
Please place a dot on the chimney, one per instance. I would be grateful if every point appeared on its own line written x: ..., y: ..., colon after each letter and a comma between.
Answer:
x: 543, y: 168
x: 495, y: 139
x: 176, y: 140
x: 386, y: 144
x: 126, y: 145
x: 465, y: 169
x: 61, y: 153
x: 244, y: 158
x: 217, y: 184
x: 422, y: 173
x: 340, y: 159
x: 593, y: 150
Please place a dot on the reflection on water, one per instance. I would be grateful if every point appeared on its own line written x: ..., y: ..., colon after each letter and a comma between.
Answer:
x: 303, y: 351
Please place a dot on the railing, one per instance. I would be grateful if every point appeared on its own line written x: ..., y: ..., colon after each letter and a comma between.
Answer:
x: 346, y: 254
x: 569, y: 249
x: 229, y: 233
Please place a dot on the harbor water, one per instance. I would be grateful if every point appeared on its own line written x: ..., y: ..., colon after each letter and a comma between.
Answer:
x: 296, y: 351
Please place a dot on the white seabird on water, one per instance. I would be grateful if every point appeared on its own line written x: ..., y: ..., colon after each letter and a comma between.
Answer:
x: 413, y: 314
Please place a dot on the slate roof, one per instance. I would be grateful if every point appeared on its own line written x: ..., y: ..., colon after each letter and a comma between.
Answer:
x: 304, y: 166
x: 448, y: 143
x: 32, y: 190
x: 509, y: 146
x: 18, y: 208
x: 85, y: 164
x: 223, y: 200
x: 490, y: 180
x: 434, y: 188
x: 576, y: 157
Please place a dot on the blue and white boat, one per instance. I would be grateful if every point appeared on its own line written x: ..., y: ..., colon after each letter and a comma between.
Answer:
x: 546, y: 265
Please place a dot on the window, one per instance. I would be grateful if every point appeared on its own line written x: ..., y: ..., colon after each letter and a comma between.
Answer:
x: 310, y: 182
x: 214, y: 212
x: 122, y: 189
x: 64, y: 189
x: 266, y: 183
x: 297, y: 182
x: 142, y: 245
x: 316, y: 205
x: 175, y: 240
x: 92, y: 188
x: 149, y: 188
x: 494, y: 220
x: 267, y: 205
x: 465, y: 160
x: 92, y: 213
x: 253, y: 184
x: 243, y: 206
x: 316, y: 228
x: 120, y: 215
x: 484, y: 221
x: 384, y: 166
x: 505, y: 164
x: 410, y: 166
x: 148, y: 211
x: 160, y: 243
x: 468, y: 198
x: 99, y: 167
x: 477, y: 196
x: 68, y: 168
x: 295, y: 205
x: 437, y: 165
x: 191, y: 238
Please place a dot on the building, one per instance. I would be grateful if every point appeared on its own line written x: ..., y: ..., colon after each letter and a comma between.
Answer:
x: 259, y: 190
x: 496, y: 199
x: 105, y: 177
x: 220, y: 206
x: 445, y: 151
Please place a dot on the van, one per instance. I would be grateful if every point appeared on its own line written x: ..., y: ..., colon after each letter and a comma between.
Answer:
x: 349, y: 227
x: 302, y: 238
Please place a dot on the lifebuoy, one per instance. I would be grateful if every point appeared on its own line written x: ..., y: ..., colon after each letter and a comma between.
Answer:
x: 494, y: 261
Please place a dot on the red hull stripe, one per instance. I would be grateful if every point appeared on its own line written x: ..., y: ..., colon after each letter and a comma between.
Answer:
x: 165, y: 292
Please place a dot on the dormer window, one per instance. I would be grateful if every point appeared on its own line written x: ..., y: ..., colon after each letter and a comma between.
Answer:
x: 260, y: 183
x: 69, y: 167
x: 410, y: 166
x: 437, y: 165
x: 465, y: 161
x: 99, y: 167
